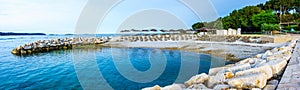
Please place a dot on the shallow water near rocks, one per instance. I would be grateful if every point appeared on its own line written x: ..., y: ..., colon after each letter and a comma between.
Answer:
x: 74, y: 69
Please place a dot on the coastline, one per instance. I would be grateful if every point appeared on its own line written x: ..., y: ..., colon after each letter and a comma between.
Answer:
x: 263, y: 71
x: 226, y: 50
x: 223, y: 49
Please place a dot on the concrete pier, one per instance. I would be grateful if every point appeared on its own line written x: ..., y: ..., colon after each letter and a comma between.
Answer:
x: 291, y: 77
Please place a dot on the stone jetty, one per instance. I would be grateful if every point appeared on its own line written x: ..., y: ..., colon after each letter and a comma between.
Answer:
x: 291, y: 77
x: 56, y: 44
x: 262, y: 71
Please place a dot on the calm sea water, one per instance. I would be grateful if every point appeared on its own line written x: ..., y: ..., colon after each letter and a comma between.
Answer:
x: 96, y: 67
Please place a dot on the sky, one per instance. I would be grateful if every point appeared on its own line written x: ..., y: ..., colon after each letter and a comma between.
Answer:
x: 61, y: 16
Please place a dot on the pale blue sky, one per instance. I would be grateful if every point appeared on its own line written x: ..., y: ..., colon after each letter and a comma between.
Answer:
x: 60, y: 16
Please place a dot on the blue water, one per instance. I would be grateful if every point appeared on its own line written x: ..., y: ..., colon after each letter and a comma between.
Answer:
x: 95, y: 67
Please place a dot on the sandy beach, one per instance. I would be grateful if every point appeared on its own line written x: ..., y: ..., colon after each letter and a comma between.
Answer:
x: 239, y: 50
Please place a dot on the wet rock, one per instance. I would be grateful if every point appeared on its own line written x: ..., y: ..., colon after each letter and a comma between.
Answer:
x: 23, y: 52
x: 27, y: 47
x: 201, y: 78
x: 15, y: 51
x: 19, y: 48
x: 156, y: 87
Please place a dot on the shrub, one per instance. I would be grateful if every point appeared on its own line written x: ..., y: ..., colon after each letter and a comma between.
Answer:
x: 295, y: 27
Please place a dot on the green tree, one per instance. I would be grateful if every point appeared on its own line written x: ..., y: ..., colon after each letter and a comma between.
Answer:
x: 241, y: 18
x: 269, y: 27
x: 246, y: 14
x: 232, y: 21
x: 264, y: 17
x: 198, y: 25
x: 217, y: 24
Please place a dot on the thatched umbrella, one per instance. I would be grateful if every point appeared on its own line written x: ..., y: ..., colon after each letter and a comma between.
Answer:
x: 145, y: 30
x: 125, y: 31
x: 153, y: 30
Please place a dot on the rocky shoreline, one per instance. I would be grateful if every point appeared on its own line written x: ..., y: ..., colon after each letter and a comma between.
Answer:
x: 67, y: 43
x: 56, y: 44
x: 262, y: 71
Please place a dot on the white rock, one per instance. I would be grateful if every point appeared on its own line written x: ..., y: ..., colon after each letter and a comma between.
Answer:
x: 221, y: 87
x: 277, y: 65
x: 172, y: 87
x: 266, y: 69
x: 266, y: 54
x: 214, y: 71
x: 156, y: 87
x: 285, y: 56
x: 201, y: 78
x: 258, y: 55
x: 239, y: 67
x: 244, y: 61
x: 198, y: 87
x: 217, y: 79
x: 258, y: 63
x: 249, y: 81
x: 274, y: 50
x: 255, y: 89
x: 252, y: 61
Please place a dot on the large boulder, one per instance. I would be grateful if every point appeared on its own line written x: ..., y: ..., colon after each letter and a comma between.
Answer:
x: 239, y: 67
x: 267, y: 54
x: 201, y: 78
x: 214, y: 71
x: 277, y: 65
x: 221, y: 87
x: 219, y: 78
x: 257, y: 80
x: 156, y: 87
x: 198, y: 87
x: 173, y: 87
x: 27, y: 47
x: 258, y: 63
x: 266, y: 69
x: 284, y: 55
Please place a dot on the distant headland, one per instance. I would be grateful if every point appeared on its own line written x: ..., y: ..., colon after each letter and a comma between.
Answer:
x: 12, y: 33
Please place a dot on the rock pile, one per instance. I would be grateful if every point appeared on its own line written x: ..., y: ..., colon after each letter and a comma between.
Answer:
x: 56, y: 44
x: 258, y: 72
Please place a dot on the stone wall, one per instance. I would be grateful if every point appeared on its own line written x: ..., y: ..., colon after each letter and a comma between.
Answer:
x: 276, y: 39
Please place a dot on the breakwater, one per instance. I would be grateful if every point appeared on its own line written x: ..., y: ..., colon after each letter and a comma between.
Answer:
x: 56, y: 44
x: 258, y: 72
